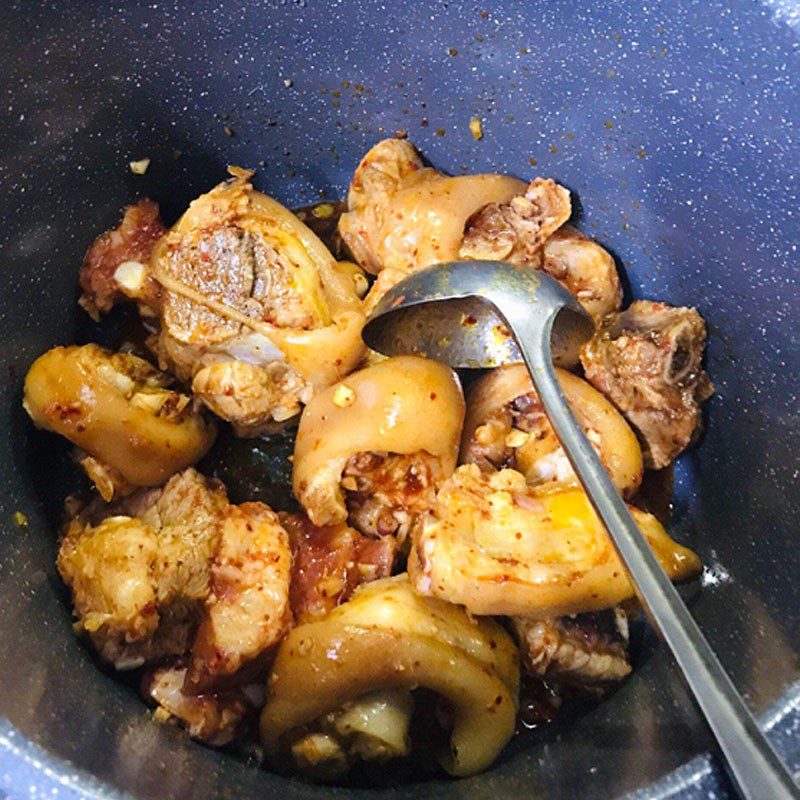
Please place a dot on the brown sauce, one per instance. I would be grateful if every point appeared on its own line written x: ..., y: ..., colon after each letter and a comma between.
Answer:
x: 655, y: 495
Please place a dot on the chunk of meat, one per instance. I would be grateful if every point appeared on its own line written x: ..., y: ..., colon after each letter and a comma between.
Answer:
x: 386, y: 492
x: 138, y: 583
x: 516, y: 231
x: 132, y: 240
x: 256, y: 313
x: 247, y: 612
x: 648, y: 361
x: 498, y: 546
x: 116, y: 589
x: 330, y: 562
x: 388, y: 638
x: 585, y: 268
x: 588, y: 651
x: 506, y: 426
x: 530, y: 231
x: 186, y: 515
x: 403, y: 216
x: 215, y: 719
x: 236, y: 268
x: 188, y: 571
x: 245, y: 393
x: 431, y: 221
x: 376, y: 180
x: 394, y: 427
x: 131, y: 429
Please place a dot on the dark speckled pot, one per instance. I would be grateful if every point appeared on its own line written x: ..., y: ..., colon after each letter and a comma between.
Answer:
x: 675, y: 123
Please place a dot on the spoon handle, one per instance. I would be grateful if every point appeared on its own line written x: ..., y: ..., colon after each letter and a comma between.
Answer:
x: 753, y: 764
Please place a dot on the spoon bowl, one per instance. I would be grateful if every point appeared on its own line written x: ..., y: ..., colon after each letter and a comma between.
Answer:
x: 452, y: 313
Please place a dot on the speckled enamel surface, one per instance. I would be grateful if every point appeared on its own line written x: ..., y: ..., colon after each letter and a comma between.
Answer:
x: 676, y: 125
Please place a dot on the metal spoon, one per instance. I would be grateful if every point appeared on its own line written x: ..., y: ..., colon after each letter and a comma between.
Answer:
x: 486, y: 313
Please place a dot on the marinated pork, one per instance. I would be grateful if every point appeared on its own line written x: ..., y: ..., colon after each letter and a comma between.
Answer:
x: 587, y: 651
x: 648, y: 361
x: 216, y: 719
x: 131, y: 244
x: 189, y: 575
x: 373, y: 449
x: 330, y: 562
x: 498, y: 546
x: 506, y: 426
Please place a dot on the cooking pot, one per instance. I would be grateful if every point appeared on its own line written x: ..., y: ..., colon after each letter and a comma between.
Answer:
x: 676, y: 126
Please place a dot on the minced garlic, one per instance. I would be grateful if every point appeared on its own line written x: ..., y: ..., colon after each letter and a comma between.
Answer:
x: 323, y: 210
x: 161, y: 715
x: 476, y: 127
x: 131, y: 276
x: 343, y: 396
x: 516, y: 438
x: 361, y: 284
x: 139, y: 167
